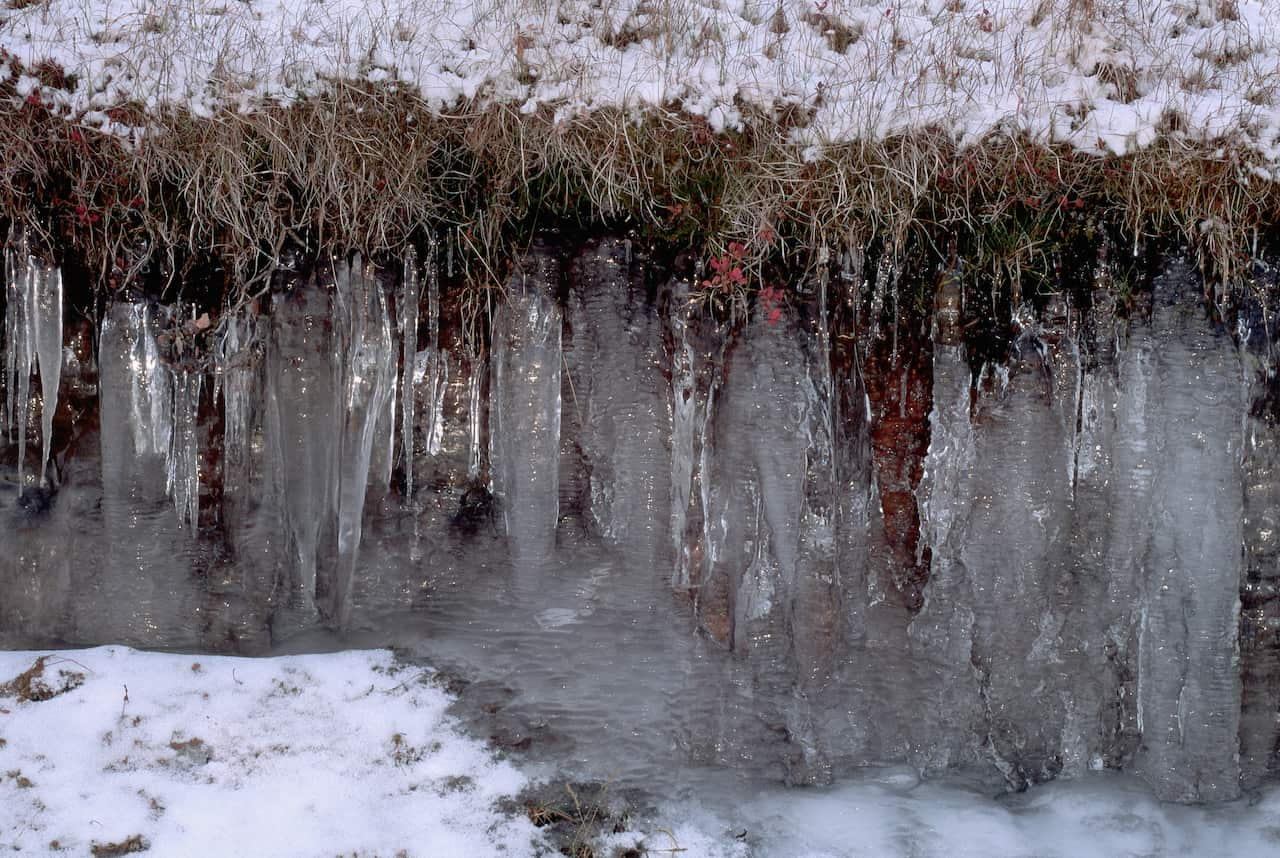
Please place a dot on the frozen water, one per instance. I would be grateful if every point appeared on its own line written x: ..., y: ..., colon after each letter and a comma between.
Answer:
x: 408, y: 310
x: 524, y: 410
x: 182, y: 476
x: 1188, y: 682
x: 619, y: 401
x: 681, y: 560
x: 367, y: 382
x: 33, y: 340
x: 303, y: 418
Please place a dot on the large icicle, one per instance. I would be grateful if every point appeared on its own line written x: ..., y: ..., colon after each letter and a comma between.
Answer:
x: 1189, y: 684
x: 684, y: 430
x: 236, y: 362
x: 303, y: 419
x: 19, y: 354
x: 524, y: 411
x: 942, y: 633
x: 239, y: 361
x: 368, y: 383
x: 620, y: 397
x: 150, y: 391
x: 46, y: 328
x: 33, y: 338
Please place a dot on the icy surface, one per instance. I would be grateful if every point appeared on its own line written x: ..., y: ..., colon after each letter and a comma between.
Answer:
x: 1104, y: 78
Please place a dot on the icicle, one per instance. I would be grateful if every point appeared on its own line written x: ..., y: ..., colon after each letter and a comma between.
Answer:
x: 182, y: 473
x: 303, y: 416
x: 369, y: 381
x: 33, y: 338
x: 438, y: 372
x: 19, y: 352
x: 683, y: 428
x: 474, y: 404
x: 150, y: 392
x: 237, y: 360
x: 46, y: 326
x: 524, y: 407
x: 233, y: 378
x: 409, y: 340
x: 382, y: 458
x: 10, y: 343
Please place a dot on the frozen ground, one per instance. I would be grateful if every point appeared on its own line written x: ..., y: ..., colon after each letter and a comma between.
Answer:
x: 352, y: 753
x: 1102, y: 76
x: 305, y: 755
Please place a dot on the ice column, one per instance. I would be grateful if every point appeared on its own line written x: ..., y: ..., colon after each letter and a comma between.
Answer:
x: 524, y: 410
x: 303, y: 419
x: 1188, y: 679
x: 368, y: 383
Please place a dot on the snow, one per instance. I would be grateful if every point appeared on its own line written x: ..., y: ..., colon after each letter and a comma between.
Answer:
x: 200, y: 755
x: 1105, y: 77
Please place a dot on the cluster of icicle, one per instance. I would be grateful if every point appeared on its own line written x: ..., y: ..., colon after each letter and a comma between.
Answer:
x: 333, y: 393
x: 330, y: 404
x: 162, y: 399
x: 33, y: 341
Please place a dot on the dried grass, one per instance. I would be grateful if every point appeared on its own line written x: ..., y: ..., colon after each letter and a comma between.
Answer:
x: 371, y: 168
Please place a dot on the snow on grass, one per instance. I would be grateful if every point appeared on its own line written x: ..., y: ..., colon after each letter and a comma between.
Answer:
x: 1105, y: 77
x: 199, y: 755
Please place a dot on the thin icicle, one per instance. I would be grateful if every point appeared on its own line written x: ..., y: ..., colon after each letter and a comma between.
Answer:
x: 438, y: 372
x: 182, y: 473
x: 475, y: 449
x: 20, y: 354
x: 46, y: 326
x: 409, y: 340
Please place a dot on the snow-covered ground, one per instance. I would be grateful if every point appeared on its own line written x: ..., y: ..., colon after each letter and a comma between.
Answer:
x: 353, y: 753
x: 1102, y: 75
x: 304, y: 755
